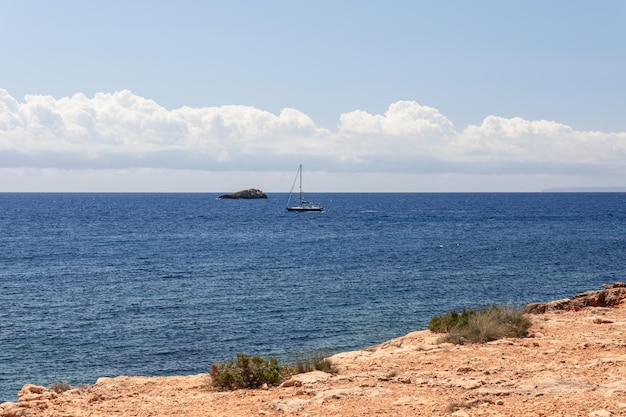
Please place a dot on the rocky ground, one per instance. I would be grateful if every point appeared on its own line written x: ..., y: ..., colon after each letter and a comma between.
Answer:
x: 572, y: 364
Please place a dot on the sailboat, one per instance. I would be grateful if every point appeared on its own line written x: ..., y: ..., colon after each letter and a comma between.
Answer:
x: 303, y: 205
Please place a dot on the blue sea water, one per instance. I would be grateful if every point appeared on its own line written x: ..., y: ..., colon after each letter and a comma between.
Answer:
x: 99, y: 285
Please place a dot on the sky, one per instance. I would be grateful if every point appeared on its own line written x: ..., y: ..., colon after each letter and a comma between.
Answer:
x: 370, y: 96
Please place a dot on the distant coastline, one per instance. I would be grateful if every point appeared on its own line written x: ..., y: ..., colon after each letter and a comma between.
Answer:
x: 586, y: 190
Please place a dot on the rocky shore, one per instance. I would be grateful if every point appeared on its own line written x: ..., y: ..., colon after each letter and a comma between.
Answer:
x: 573, y: 363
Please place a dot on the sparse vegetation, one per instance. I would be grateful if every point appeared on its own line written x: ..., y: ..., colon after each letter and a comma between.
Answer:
x: 452, y: 407
x: 59, y: 387
x: 255, y: 371
x: 316, y: 361
x: 480, y: 326
x: 248, y: 372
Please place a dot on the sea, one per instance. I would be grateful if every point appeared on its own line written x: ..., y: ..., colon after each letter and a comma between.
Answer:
x: 99, y: 285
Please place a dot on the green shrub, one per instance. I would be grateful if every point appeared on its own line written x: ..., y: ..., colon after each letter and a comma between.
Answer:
x: 482, y: 326
x: 446, y: 322
x: 248, y: 372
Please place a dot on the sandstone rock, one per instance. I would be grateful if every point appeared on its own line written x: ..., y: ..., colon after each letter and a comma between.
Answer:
x: 290, y: 405
x: 336, y: 394
x: 310, y: 377
x: 291, y: 383
x: 600, y: 413
x: 29, y: 389
x: 610, y: 296
x: 535, y: 308
x: 469, y: 384
x: 31, y: 392
x: 14, y: 410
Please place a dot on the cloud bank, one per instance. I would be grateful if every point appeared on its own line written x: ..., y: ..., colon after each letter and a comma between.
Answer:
x: 125, y: 131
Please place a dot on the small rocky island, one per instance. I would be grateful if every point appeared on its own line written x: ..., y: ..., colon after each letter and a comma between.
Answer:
x: 249, y: 194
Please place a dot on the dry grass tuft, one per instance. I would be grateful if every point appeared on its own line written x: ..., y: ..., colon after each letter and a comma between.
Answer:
x: 489, y: 324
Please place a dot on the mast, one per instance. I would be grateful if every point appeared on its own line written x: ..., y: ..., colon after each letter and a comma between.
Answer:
x: 300, y: 169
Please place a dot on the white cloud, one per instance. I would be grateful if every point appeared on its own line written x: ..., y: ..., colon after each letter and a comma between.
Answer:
x: 519, y: 140
x: 9, y: 112
x: 403, y: 118
x: 406, y: 129
x: 124, y: 131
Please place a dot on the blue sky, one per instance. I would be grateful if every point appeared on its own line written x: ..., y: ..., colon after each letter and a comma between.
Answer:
x: 368, y: 95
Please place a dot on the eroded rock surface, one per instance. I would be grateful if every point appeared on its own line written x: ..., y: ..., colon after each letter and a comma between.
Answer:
x: 612, y: 295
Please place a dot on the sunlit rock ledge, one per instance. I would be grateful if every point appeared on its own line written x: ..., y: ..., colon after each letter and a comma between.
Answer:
x: 611, y: 296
